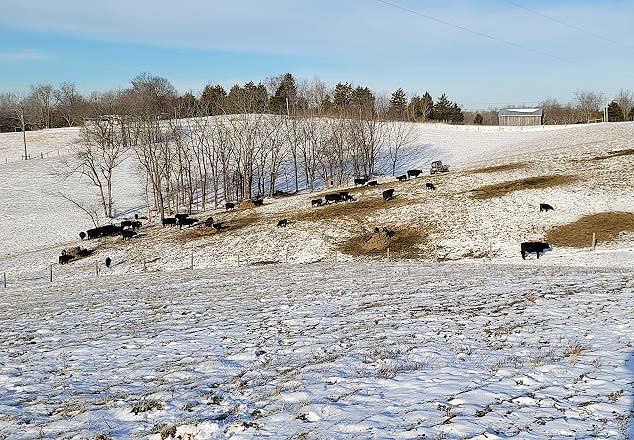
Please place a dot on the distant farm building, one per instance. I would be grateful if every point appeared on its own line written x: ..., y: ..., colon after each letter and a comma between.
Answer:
x: 521, y: 116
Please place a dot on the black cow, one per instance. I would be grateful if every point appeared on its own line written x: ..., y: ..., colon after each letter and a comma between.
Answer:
x: 180, y: 217
x: 282, y: 223
x: 92, y: 233
x: 209, y: 222
x: 187, y: 222
x: 388, y: 232
x: 108, y: 261
x: 258, y: 202
x: 360, y: 181
x: 169, y: 221
x: 402, y: 178
x: 316, y: 202
x: 229, y: 205
x: 127, y: 234
x: 430, y: 186
x: 537, y: 247
x: 136, y: 225
x: 332, y: 198
x: 545, y: 207
x: 82, y: 235
x: 218, y: 226
x: 64, y: 259
x: 388, y: 194
x: 109, y: 230
x: 372, y: 183
x: 126, y: 224
x: 345, y: 196
x: 413, y: 173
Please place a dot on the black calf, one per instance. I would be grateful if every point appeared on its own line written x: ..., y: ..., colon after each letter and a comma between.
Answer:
x: 388, y: 194
x: 360, y: 181
x: 127, y: 234
x: 187, y: 222
x: 64, y: 259
x: 413, y: 173
x: 108, y: 261
x: 171, y: 221
x: 282, y: 223
x: 136, y: 225
x: 316, y: 202
x: 126, y: 224
x: 82, y: 235
x: 545, y: 207
x: 402, y: 178
x: 258, y: 202
x: 332, y: 198
x: 372, y: 183
x: 531, y: 247
x: 430, y: 186
x: 229, y: 205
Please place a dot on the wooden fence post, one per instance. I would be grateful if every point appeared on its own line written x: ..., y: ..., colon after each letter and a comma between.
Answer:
x: 594, y: 241
x: 388, y: 254
x: 5, y: 280
x: 286, y: 256
x: 144, y: 265
x: 238, y: 259
x: 50, y: 269
x: 96, y: 269
x: 191, y: 266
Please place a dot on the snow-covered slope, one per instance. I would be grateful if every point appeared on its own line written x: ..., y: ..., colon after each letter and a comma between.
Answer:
x: 333, y: 351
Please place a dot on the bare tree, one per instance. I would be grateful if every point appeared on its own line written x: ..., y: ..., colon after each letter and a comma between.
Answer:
x: 589, y: 103
x: 399, y: 136
x: 69, y: 104
x: 625, y: 100
x: 42, y: 99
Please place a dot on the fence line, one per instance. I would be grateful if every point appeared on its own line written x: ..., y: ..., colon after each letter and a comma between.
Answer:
x: 41, y: 155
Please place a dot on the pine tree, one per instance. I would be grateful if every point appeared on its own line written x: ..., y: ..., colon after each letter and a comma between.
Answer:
x: 615, y: 114
x: 426, y: 107
x: 478, y: 120
x: 456, y: 116
x: 362, y: 99
x: 342, y: 96
x: 442, y: 109
x: 287, y: 90
x: 326, y: 104
x: 212, y: 98
x: 398, y: 103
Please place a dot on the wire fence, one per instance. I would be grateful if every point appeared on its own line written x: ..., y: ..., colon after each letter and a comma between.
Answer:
x: 33, y: 156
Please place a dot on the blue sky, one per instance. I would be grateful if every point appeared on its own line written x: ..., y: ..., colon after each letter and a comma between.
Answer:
x: 101, y: 45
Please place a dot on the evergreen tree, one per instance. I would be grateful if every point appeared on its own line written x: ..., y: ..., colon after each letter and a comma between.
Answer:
x: 398, y: 103
x: 456, y: 116
x: 362, y: 99
x: 478, y: 120
x: 615, y: 114
x: 213, y: 99
x: 420, y: 108
x: 326, y: 104
x: 342, y: 96
x: 286, y: 90
x: 442, y: 109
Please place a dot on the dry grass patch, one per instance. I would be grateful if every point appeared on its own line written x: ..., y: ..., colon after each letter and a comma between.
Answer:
x: 402, y: 245
x: 607, y: 226
x: 611, y: 154
x: 501, y: 189
x: 228, y: 225
x: 356, y: 210
x: 497, y: 168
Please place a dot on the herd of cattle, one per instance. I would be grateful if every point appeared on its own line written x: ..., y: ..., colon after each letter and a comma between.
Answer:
x: 127, y: 228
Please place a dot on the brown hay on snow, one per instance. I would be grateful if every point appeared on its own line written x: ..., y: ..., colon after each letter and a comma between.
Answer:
x: 402, y: 244
x: 612, y: 154
x: 501, y: 189
x: 607, y: 226
x: 357, y: 209
x: 496, y: 168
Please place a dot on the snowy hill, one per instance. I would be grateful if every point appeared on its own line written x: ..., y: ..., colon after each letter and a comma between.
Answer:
x: 305, y: 332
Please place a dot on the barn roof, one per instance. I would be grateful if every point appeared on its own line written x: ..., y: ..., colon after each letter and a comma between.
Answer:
x: 522, y: 112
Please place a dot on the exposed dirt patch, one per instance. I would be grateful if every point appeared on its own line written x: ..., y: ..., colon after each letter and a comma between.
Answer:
x: 497, y: 168
x: 611, y: 154
x: 402, y: 245
x: 357, y: 209
x: 501, y: 189
x: 607, y: 226
x: 246, y: 204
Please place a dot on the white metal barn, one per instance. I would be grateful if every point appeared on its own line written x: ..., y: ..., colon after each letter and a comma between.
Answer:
x: 521, y: 116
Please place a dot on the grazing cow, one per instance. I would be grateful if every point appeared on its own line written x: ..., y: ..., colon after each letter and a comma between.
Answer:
x: 64, y: 258
x: 345, y: 196
x: 218, y: 226
x: 136, y: 225
x: 181, y: 217
x: 316, y: 202
x: 332, y: 198
x: 388, y: 194
x: 126, y: 224
x: 108, y: 261
x: 127, y: 234
x: 388, y: 232
x: 190, y: 221
x: 282, y: 223
x: 258, y: 202
x: 360, y: 181
x: 82, y: 235
x: 372, y: 183
x: 537, y: 247
x: 92, y: 233
x: 545, y: 207
x: 402, y: 178
x: 169, y: 221
x: 430, y: 186
x: 209, y: 222
x: 229, y: 205
x: 413, y: 173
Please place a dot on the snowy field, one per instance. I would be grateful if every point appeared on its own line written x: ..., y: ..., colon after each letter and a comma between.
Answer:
x: 322, y: 351
x: 305, y: 341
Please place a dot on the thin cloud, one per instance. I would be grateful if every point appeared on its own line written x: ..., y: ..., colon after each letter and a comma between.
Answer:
x: 24, y: 55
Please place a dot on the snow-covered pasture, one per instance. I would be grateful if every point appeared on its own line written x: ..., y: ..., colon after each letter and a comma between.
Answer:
x: 360, y: 350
